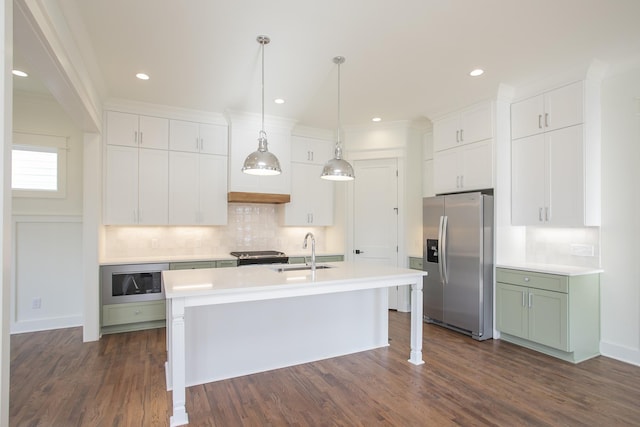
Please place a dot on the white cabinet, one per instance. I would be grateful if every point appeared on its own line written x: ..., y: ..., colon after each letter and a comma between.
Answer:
x: 136, y: 169
x: 311, y: 197
x: 555, y: 169
x: 197, y: 137
x: 197, y: 189
x: 555, y: 109
x: 464, y: 127
x: 547, y: 182
x: 137, y: 131
x: 136, y: 186
x: 463, y: 150
x: 464, y: 168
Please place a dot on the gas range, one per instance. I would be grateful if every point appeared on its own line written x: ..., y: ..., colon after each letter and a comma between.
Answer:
x: 260, y: 257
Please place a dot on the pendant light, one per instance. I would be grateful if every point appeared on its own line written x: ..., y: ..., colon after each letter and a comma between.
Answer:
x: 262, y: 162
x: 338, y: 169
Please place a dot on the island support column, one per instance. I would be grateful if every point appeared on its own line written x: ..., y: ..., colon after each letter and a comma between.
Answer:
x: 177, y: 363
x: 416, y: 323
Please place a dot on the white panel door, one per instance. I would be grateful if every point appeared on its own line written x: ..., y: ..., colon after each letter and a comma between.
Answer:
x: 527, y: 117
x: 153, y: 186
x: 183, y: 188
x: 376, y: 214
x: 566, y: 171
x: 477, y: 166
x: 477, y: 124
x: 212, y: 184
x: 154, y: 132
x: 183, y: 136
x: 121, y: 187
x: 214, y: 139
x: 564, y: 106
x: 528, y: 180
x: 122, y: 129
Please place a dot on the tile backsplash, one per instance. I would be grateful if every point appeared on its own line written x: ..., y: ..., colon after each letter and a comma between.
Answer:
x: 578, y: 247
x: 249, y: 227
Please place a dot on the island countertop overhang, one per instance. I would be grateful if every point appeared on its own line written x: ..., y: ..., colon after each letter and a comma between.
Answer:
x: 257, y: 282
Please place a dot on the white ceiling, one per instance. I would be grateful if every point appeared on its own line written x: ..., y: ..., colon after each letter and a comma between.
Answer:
x: 405, y: 59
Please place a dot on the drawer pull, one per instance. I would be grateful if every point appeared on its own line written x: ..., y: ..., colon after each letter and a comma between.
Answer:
x: 526, y: 279
x: 137, y: 312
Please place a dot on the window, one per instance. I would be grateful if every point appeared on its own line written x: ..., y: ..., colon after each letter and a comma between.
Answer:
x: 38, y: 165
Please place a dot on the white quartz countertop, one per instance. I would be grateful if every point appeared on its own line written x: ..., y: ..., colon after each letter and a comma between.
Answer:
x: 565, y: 270
x: 256, y: 282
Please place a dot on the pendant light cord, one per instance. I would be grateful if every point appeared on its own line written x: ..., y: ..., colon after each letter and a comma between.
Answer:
x: 263, y: 42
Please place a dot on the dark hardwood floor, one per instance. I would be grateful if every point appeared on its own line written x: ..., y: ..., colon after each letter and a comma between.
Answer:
x: 56, y: 380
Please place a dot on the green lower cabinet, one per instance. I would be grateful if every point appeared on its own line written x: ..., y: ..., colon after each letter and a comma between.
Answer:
x: 224, y: 263
x: 192, y: 265
x: 415, y: 263
x: 554, y: 314
x: 320, y: 258
x: 133, y: 316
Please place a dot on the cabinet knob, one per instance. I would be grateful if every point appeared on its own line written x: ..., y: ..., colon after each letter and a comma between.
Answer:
x: 526, y: 279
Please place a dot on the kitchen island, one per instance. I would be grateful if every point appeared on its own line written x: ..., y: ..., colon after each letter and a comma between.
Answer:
x: 223, y: 323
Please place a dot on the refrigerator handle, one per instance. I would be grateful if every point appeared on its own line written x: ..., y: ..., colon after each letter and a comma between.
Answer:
x: 440, y: 254
x: 443, y: 249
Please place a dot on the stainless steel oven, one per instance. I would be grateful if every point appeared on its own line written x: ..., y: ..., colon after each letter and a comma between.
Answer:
x: 132, y: 282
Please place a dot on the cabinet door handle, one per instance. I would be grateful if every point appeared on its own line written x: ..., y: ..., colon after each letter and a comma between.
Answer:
x: 140, y: 137
x: 539, y: 121
x: 540, y: 214
x: 457, y: 181
x: 546, y: 120
x: 523, y: 299
x: 135, y: 136
x: 461, y: 181
x: 457, y: 136
x: 546, y: 213
x: 197, y: 144
x: 530, y: 301
x: 461, y: 135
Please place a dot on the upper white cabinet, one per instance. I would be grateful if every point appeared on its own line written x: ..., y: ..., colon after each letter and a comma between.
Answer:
x: 555, y: 168
x: 549, y: 111
x: 197, y: 189
x: 198, y: 137
x: 136, y: 186
x: 464, y: 127
x: 463, y: 150
x: 160, y: 171
x: 134, y: 130
x: 311, y: 197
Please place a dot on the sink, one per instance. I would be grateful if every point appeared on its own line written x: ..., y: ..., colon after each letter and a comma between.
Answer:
x: 299, y: 268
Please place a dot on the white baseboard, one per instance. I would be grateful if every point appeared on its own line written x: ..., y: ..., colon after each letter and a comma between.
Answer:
x: 45, y: 324
x: 621, y: 353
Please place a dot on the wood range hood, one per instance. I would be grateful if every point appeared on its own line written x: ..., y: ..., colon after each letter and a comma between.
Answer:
x: 245, y: 197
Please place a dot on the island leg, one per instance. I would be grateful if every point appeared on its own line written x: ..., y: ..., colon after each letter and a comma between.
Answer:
x: 416, y: 322
x: 177, y: 364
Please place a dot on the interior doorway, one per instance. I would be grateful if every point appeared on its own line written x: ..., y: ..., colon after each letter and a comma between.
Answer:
x: 375, y: 219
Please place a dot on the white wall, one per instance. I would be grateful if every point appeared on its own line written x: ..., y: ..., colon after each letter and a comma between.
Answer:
x: 620, y: 231
x: 47, y: 232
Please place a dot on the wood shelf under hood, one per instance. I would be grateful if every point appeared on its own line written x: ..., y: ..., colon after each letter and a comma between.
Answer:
x: 243, y: 197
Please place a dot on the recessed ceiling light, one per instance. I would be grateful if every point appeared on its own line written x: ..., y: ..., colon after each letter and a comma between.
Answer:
x: 19, y: 73
x: 279, y: 101
x: 142, y: 76
x: 477, y: 72
x: 376, y: 119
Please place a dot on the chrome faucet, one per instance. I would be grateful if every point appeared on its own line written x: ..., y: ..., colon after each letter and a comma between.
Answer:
x: 313, y: 249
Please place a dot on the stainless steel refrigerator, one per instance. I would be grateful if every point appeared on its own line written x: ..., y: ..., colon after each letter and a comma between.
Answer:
x: 458, y: 255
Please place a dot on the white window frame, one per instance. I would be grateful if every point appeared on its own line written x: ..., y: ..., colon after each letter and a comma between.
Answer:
x: 45, y: 143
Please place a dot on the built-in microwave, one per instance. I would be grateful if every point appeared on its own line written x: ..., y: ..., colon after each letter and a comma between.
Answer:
x: 132, y: 282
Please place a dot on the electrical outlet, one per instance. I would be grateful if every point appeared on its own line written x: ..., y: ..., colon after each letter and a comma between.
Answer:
x: 581, y: 250
x: 36, y: 303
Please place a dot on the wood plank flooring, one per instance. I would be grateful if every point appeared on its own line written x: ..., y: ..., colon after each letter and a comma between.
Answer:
x: 56, y: 380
